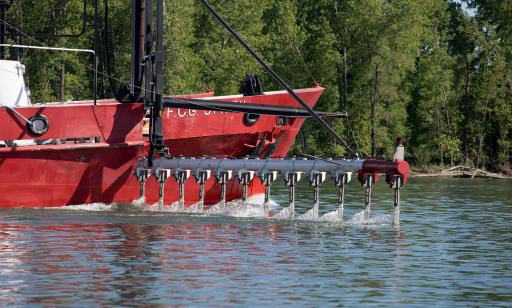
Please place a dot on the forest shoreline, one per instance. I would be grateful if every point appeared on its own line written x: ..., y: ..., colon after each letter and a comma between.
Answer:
x: 437, y: 73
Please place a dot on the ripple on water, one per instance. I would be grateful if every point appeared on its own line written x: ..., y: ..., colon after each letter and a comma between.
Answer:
x: 453, y: 247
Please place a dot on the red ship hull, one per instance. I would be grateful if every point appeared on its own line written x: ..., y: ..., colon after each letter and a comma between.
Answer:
x: 99, y: 145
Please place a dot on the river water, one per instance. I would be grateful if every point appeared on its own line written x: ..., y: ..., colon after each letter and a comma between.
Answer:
x: 453, y: 247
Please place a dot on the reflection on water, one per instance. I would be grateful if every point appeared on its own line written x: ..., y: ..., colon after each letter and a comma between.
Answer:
x: 454, y: 246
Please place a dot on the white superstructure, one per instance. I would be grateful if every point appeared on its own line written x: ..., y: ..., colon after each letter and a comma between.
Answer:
x: 13, y: 92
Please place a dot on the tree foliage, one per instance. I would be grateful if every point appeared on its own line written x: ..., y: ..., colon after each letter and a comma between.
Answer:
x: 429, y: 71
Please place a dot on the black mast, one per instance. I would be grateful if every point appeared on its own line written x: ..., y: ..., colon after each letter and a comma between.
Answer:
x: 144, y: 39
x: 157, y: 135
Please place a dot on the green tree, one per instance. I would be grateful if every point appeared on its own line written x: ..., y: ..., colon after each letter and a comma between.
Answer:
x: 431, y: 112
x: 383, y: 43
x: 495, y: 17
x: 224, y: 61
x: 184, y: 66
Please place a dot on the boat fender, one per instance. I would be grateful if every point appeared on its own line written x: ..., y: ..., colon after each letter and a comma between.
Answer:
x: 38, y: 125
x: 250, y: 119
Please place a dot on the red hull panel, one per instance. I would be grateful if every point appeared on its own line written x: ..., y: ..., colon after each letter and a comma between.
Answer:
x: 69, y: 174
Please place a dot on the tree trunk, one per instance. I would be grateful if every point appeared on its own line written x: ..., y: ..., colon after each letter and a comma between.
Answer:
x: 439, y: 132
x: 345, y: 71
x: 62, y: 81
x: 465, y: 137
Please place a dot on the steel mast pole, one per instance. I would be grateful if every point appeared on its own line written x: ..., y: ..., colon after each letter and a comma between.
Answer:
x: 157, y: 135
x: 154, y: 80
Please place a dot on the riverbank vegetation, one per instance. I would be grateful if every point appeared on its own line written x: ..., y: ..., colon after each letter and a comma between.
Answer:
x: 435, y: 72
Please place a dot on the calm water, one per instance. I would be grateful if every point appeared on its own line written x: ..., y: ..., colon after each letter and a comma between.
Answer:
x: 453, y: 247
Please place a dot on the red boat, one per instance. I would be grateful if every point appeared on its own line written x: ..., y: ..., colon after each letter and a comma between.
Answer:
x: 60, y: 154
x: 89, y: 151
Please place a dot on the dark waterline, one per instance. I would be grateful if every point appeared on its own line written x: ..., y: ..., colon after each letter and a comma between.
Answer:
x: 453, y: 247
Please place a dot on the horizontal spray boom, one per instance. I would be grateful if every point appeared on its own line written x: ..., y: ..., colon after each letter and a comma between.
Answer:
x: 292, y: 171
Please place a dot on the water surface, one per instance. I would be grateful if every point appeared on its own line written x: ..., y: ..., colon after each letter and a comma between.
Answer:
x: 453, y: 247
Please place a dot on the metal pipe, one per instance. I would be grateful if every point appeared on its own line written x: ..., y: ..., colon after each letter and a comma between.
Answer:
x: 316, y: 179
x: 267, y: 178
x: 162, y: 175
x: 201, y: 197
x: 396, y: 204
x: 341, y: 200
x: 341, y: 180
x: 396, y: 209
x: 142, y: 188
x: 161, y: 193
x: 292, y: 200
x: 245, y: 177
x: 182, y: 194
x: 82, y: 31
x: 201, y: 177
x: 222, y: 177
x: 245, y: 186
x: 266, y: 202
x: 142, y: 176
x: 48, y: 48
x: 280, y: 165
x: 291, y: 179
x: 368, y: 198
x: 27, y: 121
x: 316, y: 200
x: 223, y: 189
x: 262, y: 109
x: 181, y: 177
x: 269, y: 70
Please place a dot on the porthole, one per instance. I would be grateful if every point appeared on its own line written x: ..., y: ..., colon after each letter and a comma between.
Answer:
x: 250, y: 119
x: 38, y: 125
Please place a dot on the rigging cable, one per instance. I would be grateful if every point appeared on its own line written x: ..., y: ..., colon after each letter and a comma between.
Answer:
x: 270, y: 71
x: 352, y: 132
x: 300, y: 56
